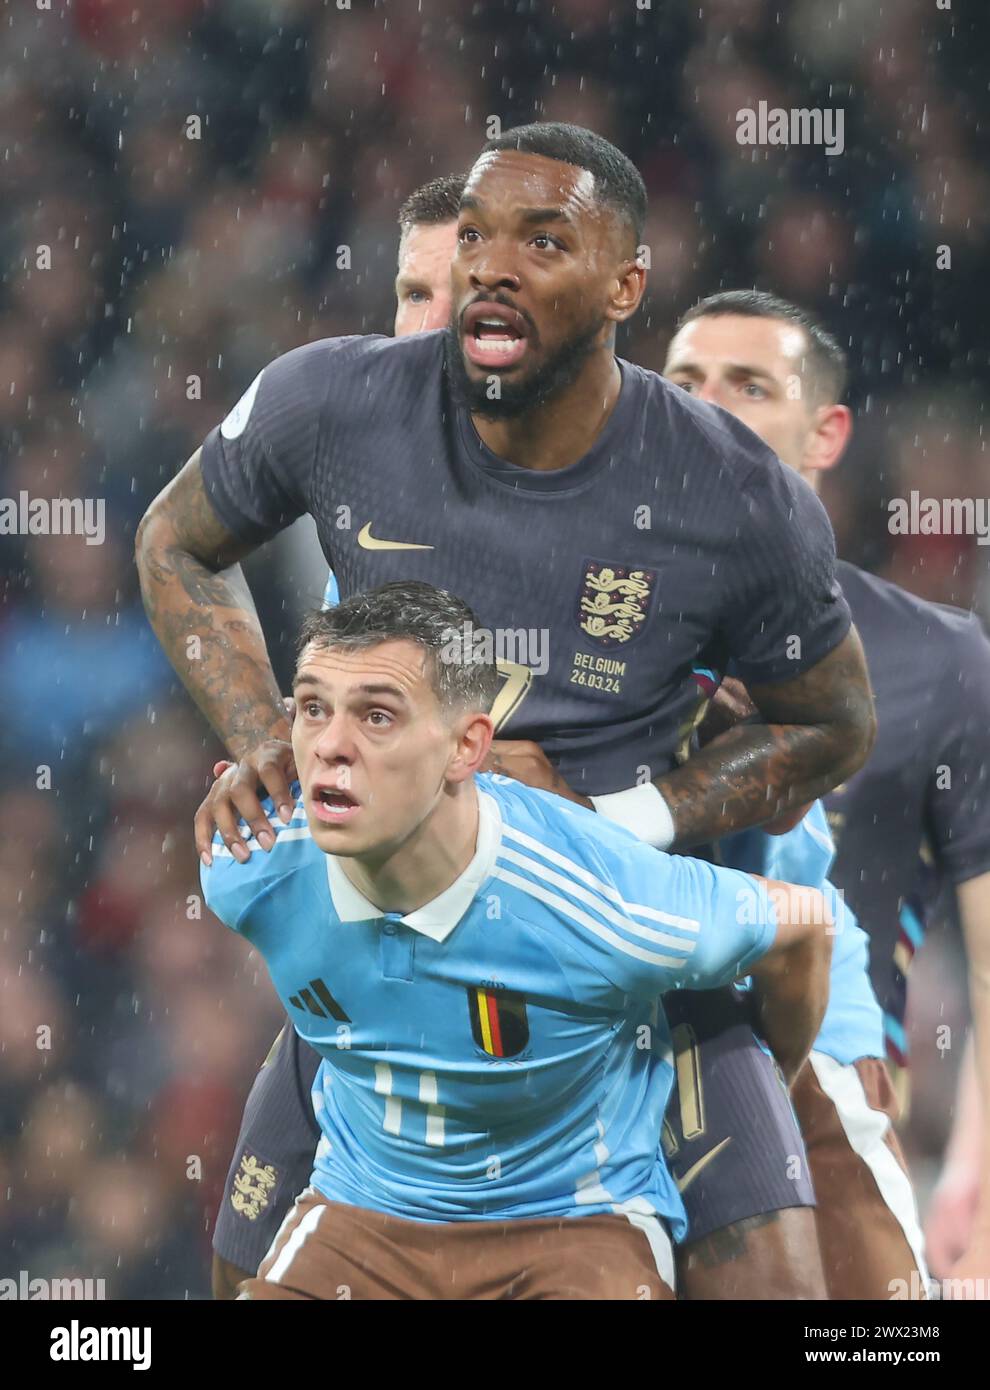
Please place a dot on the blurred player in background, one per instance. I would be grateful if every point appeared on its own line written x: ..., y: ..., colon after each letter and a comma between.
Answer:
x: 638, y: 511
x: 914, y: 818
x: 427, y: 240
x: 539, y: 1179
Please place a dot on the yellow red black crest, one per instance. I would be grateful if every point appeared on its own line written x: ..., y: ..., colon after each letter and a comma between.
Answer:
x: 498, y: 1021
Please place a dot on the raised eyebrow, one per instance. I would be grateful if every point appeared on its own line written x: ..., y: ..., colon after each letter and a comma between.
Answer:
x: 546, y: 215
x: 380, y: 688
x: 742, y: 369
x: 555, y: 214
x: 383, y: 688
x: 300, y: 678
x: 732, y: 369
x: 409, y: 282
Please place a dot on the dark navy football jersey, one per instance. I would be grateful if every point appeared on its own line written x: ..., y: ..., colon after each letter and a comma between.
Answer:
x: 678, y: 541
x: 917, y: 816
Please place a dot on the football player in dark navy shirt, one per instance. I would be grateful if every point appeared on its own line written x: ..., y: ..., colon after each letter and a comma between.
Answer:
x: 580, y: 504
x: 914, y: 818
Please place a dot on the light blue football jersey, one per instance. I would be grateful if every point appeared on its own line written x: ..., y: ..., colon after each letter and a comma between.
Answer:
x: 853, y: 1023
x: 500, y: 1052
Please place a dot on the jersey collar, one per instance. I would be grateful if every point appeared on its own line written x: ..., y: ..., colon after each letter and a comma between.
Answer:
x: 437, y: 919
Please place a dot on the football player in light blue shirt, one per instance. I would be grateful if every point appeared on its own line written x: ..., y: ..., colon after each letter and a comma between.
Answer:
x: 479, y: 964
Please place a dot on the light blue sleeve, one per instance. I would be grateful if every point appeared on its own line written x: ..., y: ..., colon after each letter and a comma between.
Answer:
x: 231, y: 889
x: 679, y: 923
x: 853, y: 1023
x: 331, y: 594
x: 803, y: 855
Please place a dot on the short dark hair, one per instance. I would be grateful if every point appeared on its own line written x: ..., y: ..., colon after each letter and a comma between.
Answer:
x: 618, y: 182
x: 827, y: 360
x: 433, y: 203
x: 463, y: 674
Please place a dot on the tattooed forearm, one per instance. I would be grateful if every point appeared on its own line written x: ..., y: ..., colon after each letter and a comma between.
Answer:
x: 746, y: 777
x: 206, y: 590
x: 199, y: 606
x: 820, y: 730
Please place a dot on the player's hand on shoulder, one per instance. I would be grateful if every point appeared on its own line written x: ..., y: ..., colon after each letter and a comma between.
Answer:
x: 236, y: 795
x: 526, y: 762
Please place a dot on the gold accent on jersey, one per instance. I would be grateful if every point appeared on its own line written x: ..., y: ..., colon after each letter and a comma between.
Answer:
x: 253, y: 1185
x: 617, y: 607
x: 517, y: 680
x: 369, y: 542
x: 278, y: 1038
x: 702, y: 1163
x: 691, y: 1096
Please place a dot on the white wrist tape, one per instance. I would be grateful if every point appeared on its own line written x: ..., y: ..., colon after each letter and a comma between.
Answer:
x: 640, y: 810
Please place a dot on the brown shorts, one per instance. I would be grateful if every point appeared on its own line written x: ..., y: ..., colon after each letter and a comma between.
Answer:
x: 868, y: 1228
x: 326, y: 1250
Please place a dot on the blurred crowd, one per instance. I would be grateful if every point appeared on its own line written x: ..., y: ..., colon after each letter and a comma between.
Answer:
x: 177, y: 181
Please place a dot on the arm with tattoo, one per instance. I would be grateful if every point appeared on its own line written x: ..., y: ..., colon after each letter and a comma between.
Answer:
x: 202, y: 613
x: 819, y: 729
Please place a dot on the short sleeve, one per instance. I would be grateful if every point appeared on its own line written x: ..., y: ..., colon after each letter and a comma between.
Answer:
x: 787, y: 609
x: 676, y: 922
x: 258, y: 463
x: 240, y: 894
x: 227, y: 891
x: 959, y: 789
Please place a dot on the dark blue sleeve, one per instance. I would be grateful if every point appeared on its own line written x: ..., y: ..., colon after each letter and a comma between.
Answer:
x: 959, y: 790
x: 258, y: 463
x: 787, y: 611
x: 273, y: 1157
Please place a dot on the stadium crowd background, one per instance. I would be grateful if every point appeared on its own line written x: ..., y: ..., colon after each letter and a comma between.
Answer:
x: 185, y: 254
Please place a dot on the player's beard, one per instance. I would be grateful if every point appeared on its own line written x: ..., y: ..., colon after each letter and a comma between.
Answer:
x: 531, y: 391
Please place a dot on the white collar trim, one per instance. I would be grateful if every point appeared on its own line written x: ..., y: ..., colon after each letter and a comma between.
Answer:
x: 436, y: 919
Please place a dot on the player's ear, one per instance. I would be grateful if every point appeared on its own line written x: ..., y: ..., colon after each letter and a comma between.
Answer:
x: 473, y: 737
x: 830, y: 432
x: 627, y: 291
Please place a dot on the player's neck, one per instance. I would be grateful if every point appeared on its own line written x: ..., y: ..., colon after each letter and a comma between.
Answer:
x: 562, y: 430
x: 428, y: 861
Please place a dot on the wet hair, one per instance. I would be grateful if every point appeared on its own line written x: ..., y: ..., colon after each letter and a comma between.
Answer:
x: 433, y: 204
x: 827, y: 363
x: 618, y: 183
x: 462, y: 673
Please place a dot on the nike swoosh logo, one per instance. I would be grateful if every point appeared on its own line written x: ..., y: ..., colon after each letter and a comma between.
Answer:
x: 696, y: 1168
x: 369, y: 542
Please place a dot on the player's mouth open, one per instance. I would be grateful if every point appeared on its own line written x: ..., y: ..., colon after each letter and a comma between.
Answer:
x: 493, y: 335
x: 332, y: 805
